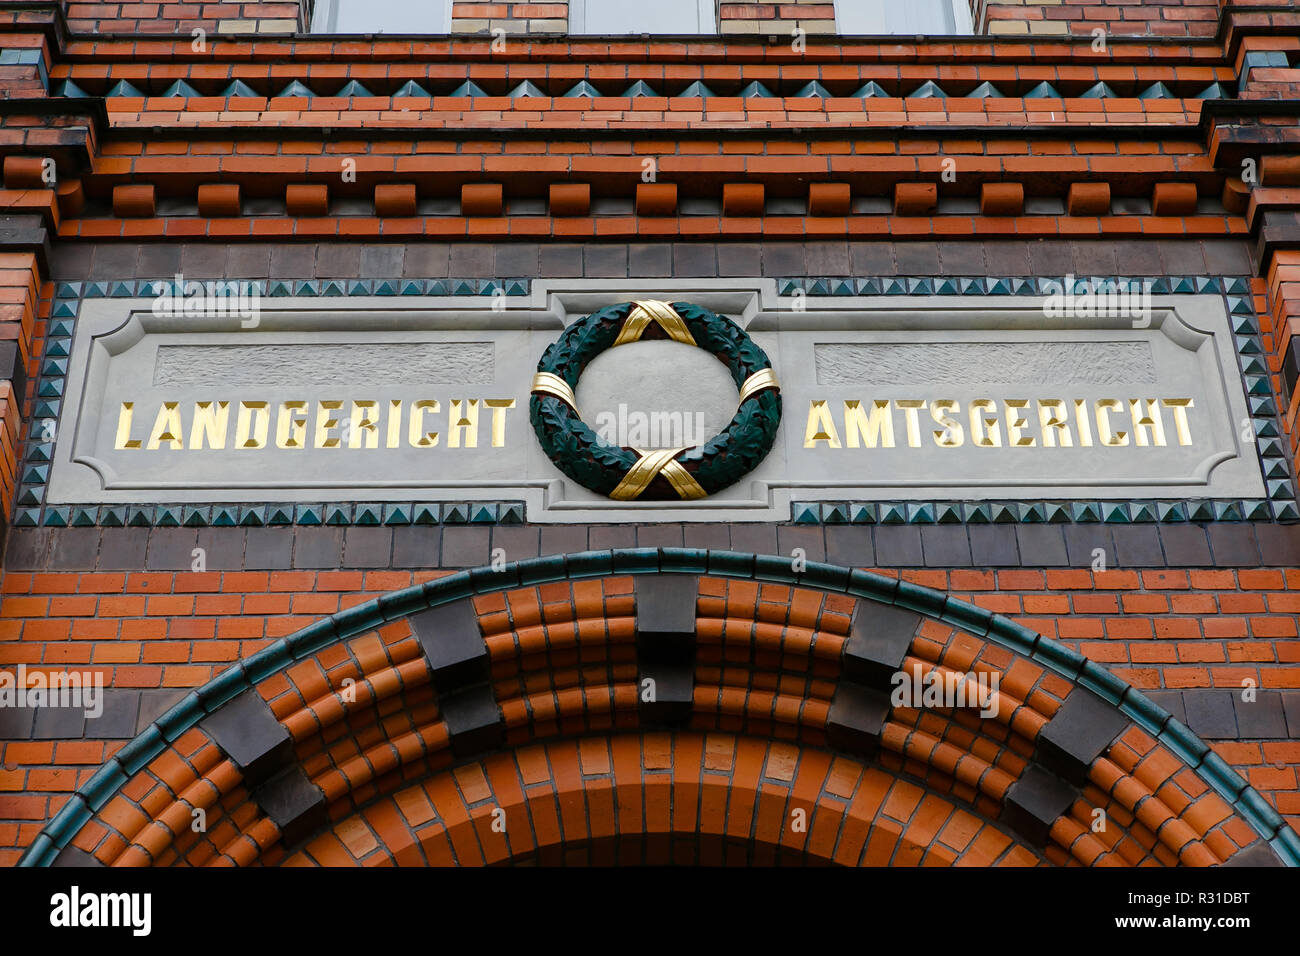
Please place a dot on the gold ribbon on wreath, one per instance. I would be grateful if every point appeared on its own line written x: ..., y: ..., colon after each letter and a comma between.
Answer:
x: 650, y: 465
x: 548, y: 383
x: 651, y: 310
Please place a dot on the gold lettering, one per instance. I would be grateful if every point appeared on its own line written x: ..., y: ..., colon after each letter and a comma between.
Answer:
x: 1145, y: 413
x: 1085, y: 424
x: 1015, y: 423
x: 873, y: 428
x: 1180, y: 407
x: 1052, y: 422
x: 417, y: 436
x: 254, y: 422
x: 1104, y: 407
x: 362, y: 431
x: 911, y: 407
x: 167, y: 427
x: 325, y: 423
x: 463, y: 423
x: 124, y: 439
x: 952, y: 435
x: 291, y: 425
x: 979, y: 422
x: 211, y: 420
x: 821, y: 427
x: 394, y: 422
x: 499, y: 407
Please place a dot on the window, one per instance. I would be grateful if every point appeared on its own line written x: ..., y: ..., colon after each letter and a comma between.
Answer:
x: 924, y: 17
x: 666, y: 17
x: 381, y: 16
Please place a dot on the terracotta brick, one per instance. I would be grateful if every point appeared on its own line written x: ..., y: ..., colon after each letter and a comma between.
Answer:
x: 656, y: 199
x: 915, y: 199
x: 1174, y: 199
x: 1088, y: 199
x: 307, y: 199
x: 829, y: 199
x: 395, y: 200
x: 570, y: 199
x: 133, y: 202
x: 481, y: 200
x: 742, y: 199
x: 1002, y: 199
x: 219, y: 200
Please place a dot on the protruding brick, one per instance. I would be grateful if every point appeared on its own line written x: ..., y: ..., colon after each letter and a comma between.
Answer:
x: 247, y: 731
x: 453, y: 645
x: 1236, y: 196
x: 1273, y: 171
x: 133, y: 202
x: 219, y: 200
x: 71, y: 197
x: 1078, y: 733
x: 1174, y: 199
x: 743, y: 199
x: 915, y: 199
x: 294, y: 804
x: 1035, y: 802
x: 656, y: 199
x: 307, y: 199
x: 570, y: 199
x: 1002, y: 199
x: 24, y: 172
x: 393, y: 200
x: 1088, y: 199
x: 829, y: 199
x: 481, y: 200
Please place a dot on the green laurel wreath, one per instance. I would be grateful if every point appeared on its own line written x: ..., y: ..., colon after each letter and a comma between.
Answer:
x: 723, y: 460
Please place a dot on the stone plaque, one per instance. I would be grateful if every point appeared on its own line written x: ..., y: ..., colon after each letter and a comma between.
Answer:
x: 426, y: 399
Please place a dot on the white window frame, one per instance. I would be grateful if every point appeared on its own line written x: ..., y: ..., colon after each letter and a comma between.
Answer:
x: 708, y: 19
x: 963, y: 22
x: 326, y: 13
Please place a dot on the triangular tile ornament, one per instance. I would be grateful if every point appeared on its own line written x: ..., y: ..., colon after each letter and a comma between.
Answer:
x: 368, y: 514
x: 1207, y: 284
x: 51, y: 388
x: 333, y: 287
x: 397, y: 514
x: 920, y: 513
x: 697, y: 90
x: 947, y: 287
x: 412, y: 88
x: 1285, y: 511
x: 123, y: 88
x: 1171, y: 511
x: 972, y: 286
x: 29, y: 495
x: 254, y: 516
x: 435, y: 287
x: 815, y: 89
x: 385, y: 287
x: 182, y: 89
x: 639, y: 89
x: 985, y: 91
x: 789, y: 286
x: 296, y: 89
x: 1227, y: 511
x: 1085, y: 512
x: 1269, y: 447
x: 1281, y: 489
x: 1115, y: 512
x: 583, y: 90
x: 360, y: 287
x: 527, y: 88
x: 1144, y: 511
x: 756, y: 90
x: 893, y: 513
x: 27, y: 518
x: 41, y: 452
x: 83, y: 518
x: 353, y: 88
x: 310, y: 515
x: 1157, y: 91
x: 464, y: 287
x: 948, y: 512
x: 411, y: 287
x: 1003, y: 513
x: 70, y: 89
x: 167, y: 516
x: 818, y: 287
x: 1256, y: 510
x: 195, y: 517
x: 1031, y: 512
x: 36, y: 475
x: 426, y: 514
x: 280, y: 288
x: 121, y: 290
x: 114, y: 517
x: 862, y: 513
x: 1200, y: 511
x: 67, y: 290
x: 868, y: 287
x: 1184, y: 285
x: 920, y: 286
x: 306, y: 287
x: 842, y: 287
x: 482, y: 514
x: 871, y: 90
x: 1236, y: 285
x: 239, y: 88
x: 837, y: 513
x: 56, y: 518
x: 1023, y: 286
x: 1058, y: 512
x: 455, y: 514
x: 895, y: 286
x: 225, y: 517
x: 929, y: 90
x: 1043, y: 91
x: 338, y: 514
x: 1262, y: 405
x: 1097, y: 91
x: 470, y: 89
x: 46, y: 409
x: 977, y: 513
x: 511, y: 514
x: 139, y: 517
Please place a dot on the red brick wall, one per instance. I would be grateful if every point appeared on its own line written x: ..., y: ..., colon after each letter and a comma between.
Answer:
x: 535, y: 18
x: 166, y: 16
x: 811, y: 16
x: 1192, y: 18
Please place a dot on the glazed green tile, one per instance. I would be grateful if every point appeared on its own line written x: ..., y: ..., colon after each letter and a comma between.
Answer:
x: 296, y: 88
x: 1240, y: 305
x: 789, y: 286
x: 947, y: 287
x: 1227, y: 511
x: 1247, y: 345
x: 337, y: 514
x: 1171, y: 511
x: 333, y: 287
x: 1270, y: 447
x: 67, y: 290
x: 386, y: 287
x: 804, y: 513
x: 516, y: 287
x: 868, y: 286
x: 1275, y: 468
x: 426, y: 513
x: 27, y: 518
x: 1144, y: 511
x: 196, y: 517
x: 1285, y: 511
x: 835, y: 513
x: 308, y: 515
x: 41, y: 452
x: 254, y: 516
x: 359, y: 287
x: 999, y: 286
x: 121, y: 290
x: 972, y: 286
x: 411, y: 287
x: 1244, y: 325
x: 62, y: 327
x: 30, y: 495
x: 54, y: 366
x: 977, y: 513
x: 842, y: 287
x: 58, y: 348
x: 113, y: 516
x: 167, y: 516
x: 464, y: 287
x: 280, y: 289
x: 512, y: 513
x: 139, y: 517
x: 457, y: 513
x: 50, y: 388
x: 397, y: 514
x: 1182, y: 285
x: 862, y: 513
x: 920, y: 513
x: 1023, y: 286
x: 1207, y: 285
x: 1043, y: 91
x: 36, y: 475
x: 818, y: 287
x: 412, y: 88
x: 83, y: 517
x: 1279, y: 489
x: 56, y: 517
x: 47, y: 409
x: 895, y: 286
x: 920, y: 287
x: 225, y: 516
x: 435, y: 287
x: 1256, y: 509
x: 1002, y: 513
x: 1057, y: 512
x: 892, y: 512
x: 1085, y: 512
x: 1115, y: 512
x: 482, y: 513
x: 948, y: 512
x: 368, y: 514
x: 1032, y: 512
x: 1254, y: 365
x: 1265, y: 428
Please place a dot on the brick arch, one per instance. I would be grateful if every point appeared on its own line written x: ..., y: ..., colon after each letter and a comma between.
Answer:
x: 301, y: 741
